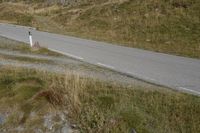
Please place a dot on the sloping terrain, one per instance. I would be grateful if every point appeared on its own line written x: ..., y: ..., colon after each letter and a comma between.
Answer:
x: 163, y: 26
x: 19, y: 54
x: 35, y: 100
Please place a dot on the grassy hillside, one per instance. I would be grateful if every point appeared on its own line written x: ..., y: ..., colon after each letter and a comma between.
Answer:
x: 40, y: 101
x: 164, y: 26
x: 92, y: 105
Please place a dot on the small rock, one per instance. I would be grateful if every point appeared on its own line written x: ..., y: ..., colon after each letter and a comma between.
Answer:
x: 62, y: 116
x: 20, y: 129
x: 168, y: 42
x: 38, y: 131
x: 73, y: 126
x: 157, y: 10
x: 66, y: 129
x: 2, y: 119
x: 48, y: 122
x: 133, y: 130
x: 148, y: 40
x: 32, y: 114
x: 146, y: 15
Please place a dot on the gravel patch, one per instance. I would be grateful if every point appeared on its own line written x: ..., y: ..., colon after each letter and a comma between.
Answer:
x: 67, y: 64
x: 62, y: 64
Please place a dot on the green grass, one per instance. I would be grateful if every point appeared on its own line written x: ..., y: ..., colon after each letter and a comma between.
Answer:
x: 17, y: 87
x: 96, y: 106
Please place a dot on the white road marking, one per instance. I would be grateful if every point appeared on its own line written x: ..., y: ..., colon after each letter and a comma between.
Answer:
x: 151, y: 79
x: 143, y: 77
x: 183, y: 88
x: 68, y: 54
x: 104, y: 65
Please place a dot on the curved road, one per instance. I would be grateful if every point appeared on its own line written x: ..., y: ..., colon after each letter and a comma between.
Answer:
x: 167, y: 70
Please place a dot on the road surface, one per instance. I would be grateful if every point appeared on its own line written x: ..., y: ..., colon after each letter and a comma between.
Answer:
x: 167, y: 70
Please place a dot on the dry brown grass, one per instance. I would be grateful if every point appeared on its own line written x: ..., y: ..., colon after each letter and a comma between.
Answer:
x: 96, y: 106
x: 164, y: 26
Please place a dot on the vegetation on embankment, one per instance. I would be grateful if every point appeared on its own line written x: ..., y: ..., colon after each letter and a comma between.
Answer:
x: 8, y: 44
x: 94, y: 106
x: 164, y: 26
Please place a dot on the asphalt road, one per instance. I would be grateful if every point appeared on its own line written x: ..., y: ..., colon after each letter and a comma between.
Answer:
x: 171, y: 71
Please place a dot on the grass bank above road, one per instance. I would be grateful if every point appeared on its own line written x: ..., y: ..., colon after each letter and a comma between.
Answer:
x: 92, y: 105
x: 24, y: 59
x: 7, y: 44
x: 171, y: 27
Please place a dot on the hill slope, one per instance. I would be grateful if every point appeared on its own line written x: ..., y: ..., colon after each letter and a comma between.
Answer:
x: 33, y: 99
x: 165, y: 26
